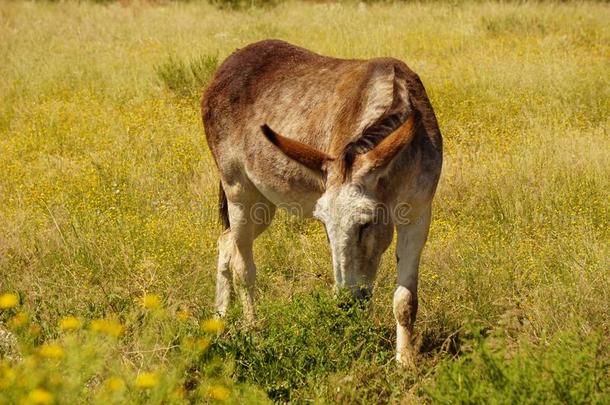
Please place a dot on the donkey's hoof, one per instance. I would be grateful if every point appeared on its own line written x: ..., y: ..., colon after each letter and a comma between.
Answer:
x: 406, y: 360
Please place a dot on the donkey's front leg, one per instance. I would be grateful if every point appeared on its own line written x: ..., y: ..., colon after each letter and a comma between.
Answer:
x: 410, y: 242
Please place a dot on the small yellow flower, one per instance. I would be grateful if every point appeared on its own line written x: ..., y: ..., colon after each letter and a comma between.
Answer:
x: 51, y: 351
x: 183, y: 314
x: 213, y: 325
x: 219, y: 393
x: 70, y: 323
x: 7, y: 376
x: 110, y: 328
x: 147, y: 380
x: 40, y: 396
x: 115, y: 384
x: 151, y: 301
x: 202, y: 344
x: 19, y: 320
x: 8, y: 300
x: 180, y: 392
x: 188, y: 342
x: 35, y: 330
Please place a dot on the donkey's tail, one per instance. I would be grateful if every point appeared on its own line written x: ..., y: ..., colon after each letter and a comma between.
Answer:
x: 223, y: 207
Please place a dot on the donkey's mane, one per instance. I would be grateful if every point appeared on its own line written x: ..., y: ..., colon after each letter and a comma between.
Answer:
x: 370, y: 138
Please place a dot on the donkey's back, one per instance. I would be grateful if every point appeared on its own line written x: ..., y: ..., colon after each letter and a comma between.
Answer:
x: 312, y: 98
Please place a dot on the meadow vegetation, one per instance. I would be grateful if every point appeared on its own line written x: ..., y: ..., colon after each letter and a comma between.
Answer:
x: 108, y: 211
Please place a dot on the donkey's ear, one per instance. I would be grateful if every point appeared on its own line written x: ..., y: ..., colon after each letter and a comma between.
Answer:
x: 382, y: 155
x: 309, y: 157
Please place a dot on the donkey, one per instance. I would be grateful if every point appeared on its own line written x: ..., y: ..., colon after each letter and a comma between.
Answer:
x: 353, y: 143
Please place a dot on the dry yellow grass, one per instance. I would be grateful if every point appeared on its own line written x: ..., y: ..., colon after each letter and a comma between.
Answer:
x: 108, y: 195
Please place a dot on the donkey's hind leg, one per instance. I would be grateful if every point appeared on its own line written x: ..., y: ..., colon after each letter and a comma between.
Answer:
x: 223, y: 274
x: 247, y: 220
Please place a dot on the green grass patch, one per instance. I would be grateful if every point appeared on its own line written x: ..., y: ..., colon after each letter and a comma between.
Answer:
x: 567, y: 369
x: 187, y: 78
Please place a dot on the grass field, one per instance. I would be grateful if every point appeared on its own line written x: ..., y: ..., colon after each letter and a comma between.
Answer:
x: 108, y: 211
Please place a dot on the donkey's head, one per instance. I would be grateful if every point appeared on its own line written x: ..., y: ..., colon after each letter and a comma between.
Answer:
x: 357, y: 220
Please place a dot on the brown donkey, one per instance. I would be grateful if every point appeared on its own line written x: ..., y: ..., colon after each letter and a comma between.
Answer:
x: 360, y: 149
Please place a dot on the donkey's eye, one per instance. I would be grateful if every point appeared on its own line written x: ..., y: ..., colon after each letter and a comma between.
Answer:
x: 361, y: 230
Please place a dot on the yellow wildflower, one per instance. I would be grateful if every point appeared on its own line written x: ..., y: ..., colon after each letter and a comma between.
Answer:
x: 111, y: 328
x: 19, y: 320
x: 147, y: 380
x: 70, y: 323
x: 213, y: 325
x: 51, y: 351
x: 188, y: 342
x: 183, y: 314
x: 180, y: 392
x: 40, y: 396
x: 218, y: 392
x: 35, y: 330
x: 8, y: 300
x: 115, y: 384
x: 7, y: 376
x: 202, y: 344
x: 151, y: 301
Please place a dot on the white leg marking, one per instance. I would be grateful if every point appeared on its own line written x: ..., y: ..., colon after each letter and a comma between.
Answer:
x: 410, y: 243
x: 223, y: 275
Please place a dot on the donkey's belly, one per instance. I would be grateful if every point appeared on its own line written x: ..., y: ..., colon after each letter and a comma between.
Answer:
x: 296, y: 194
